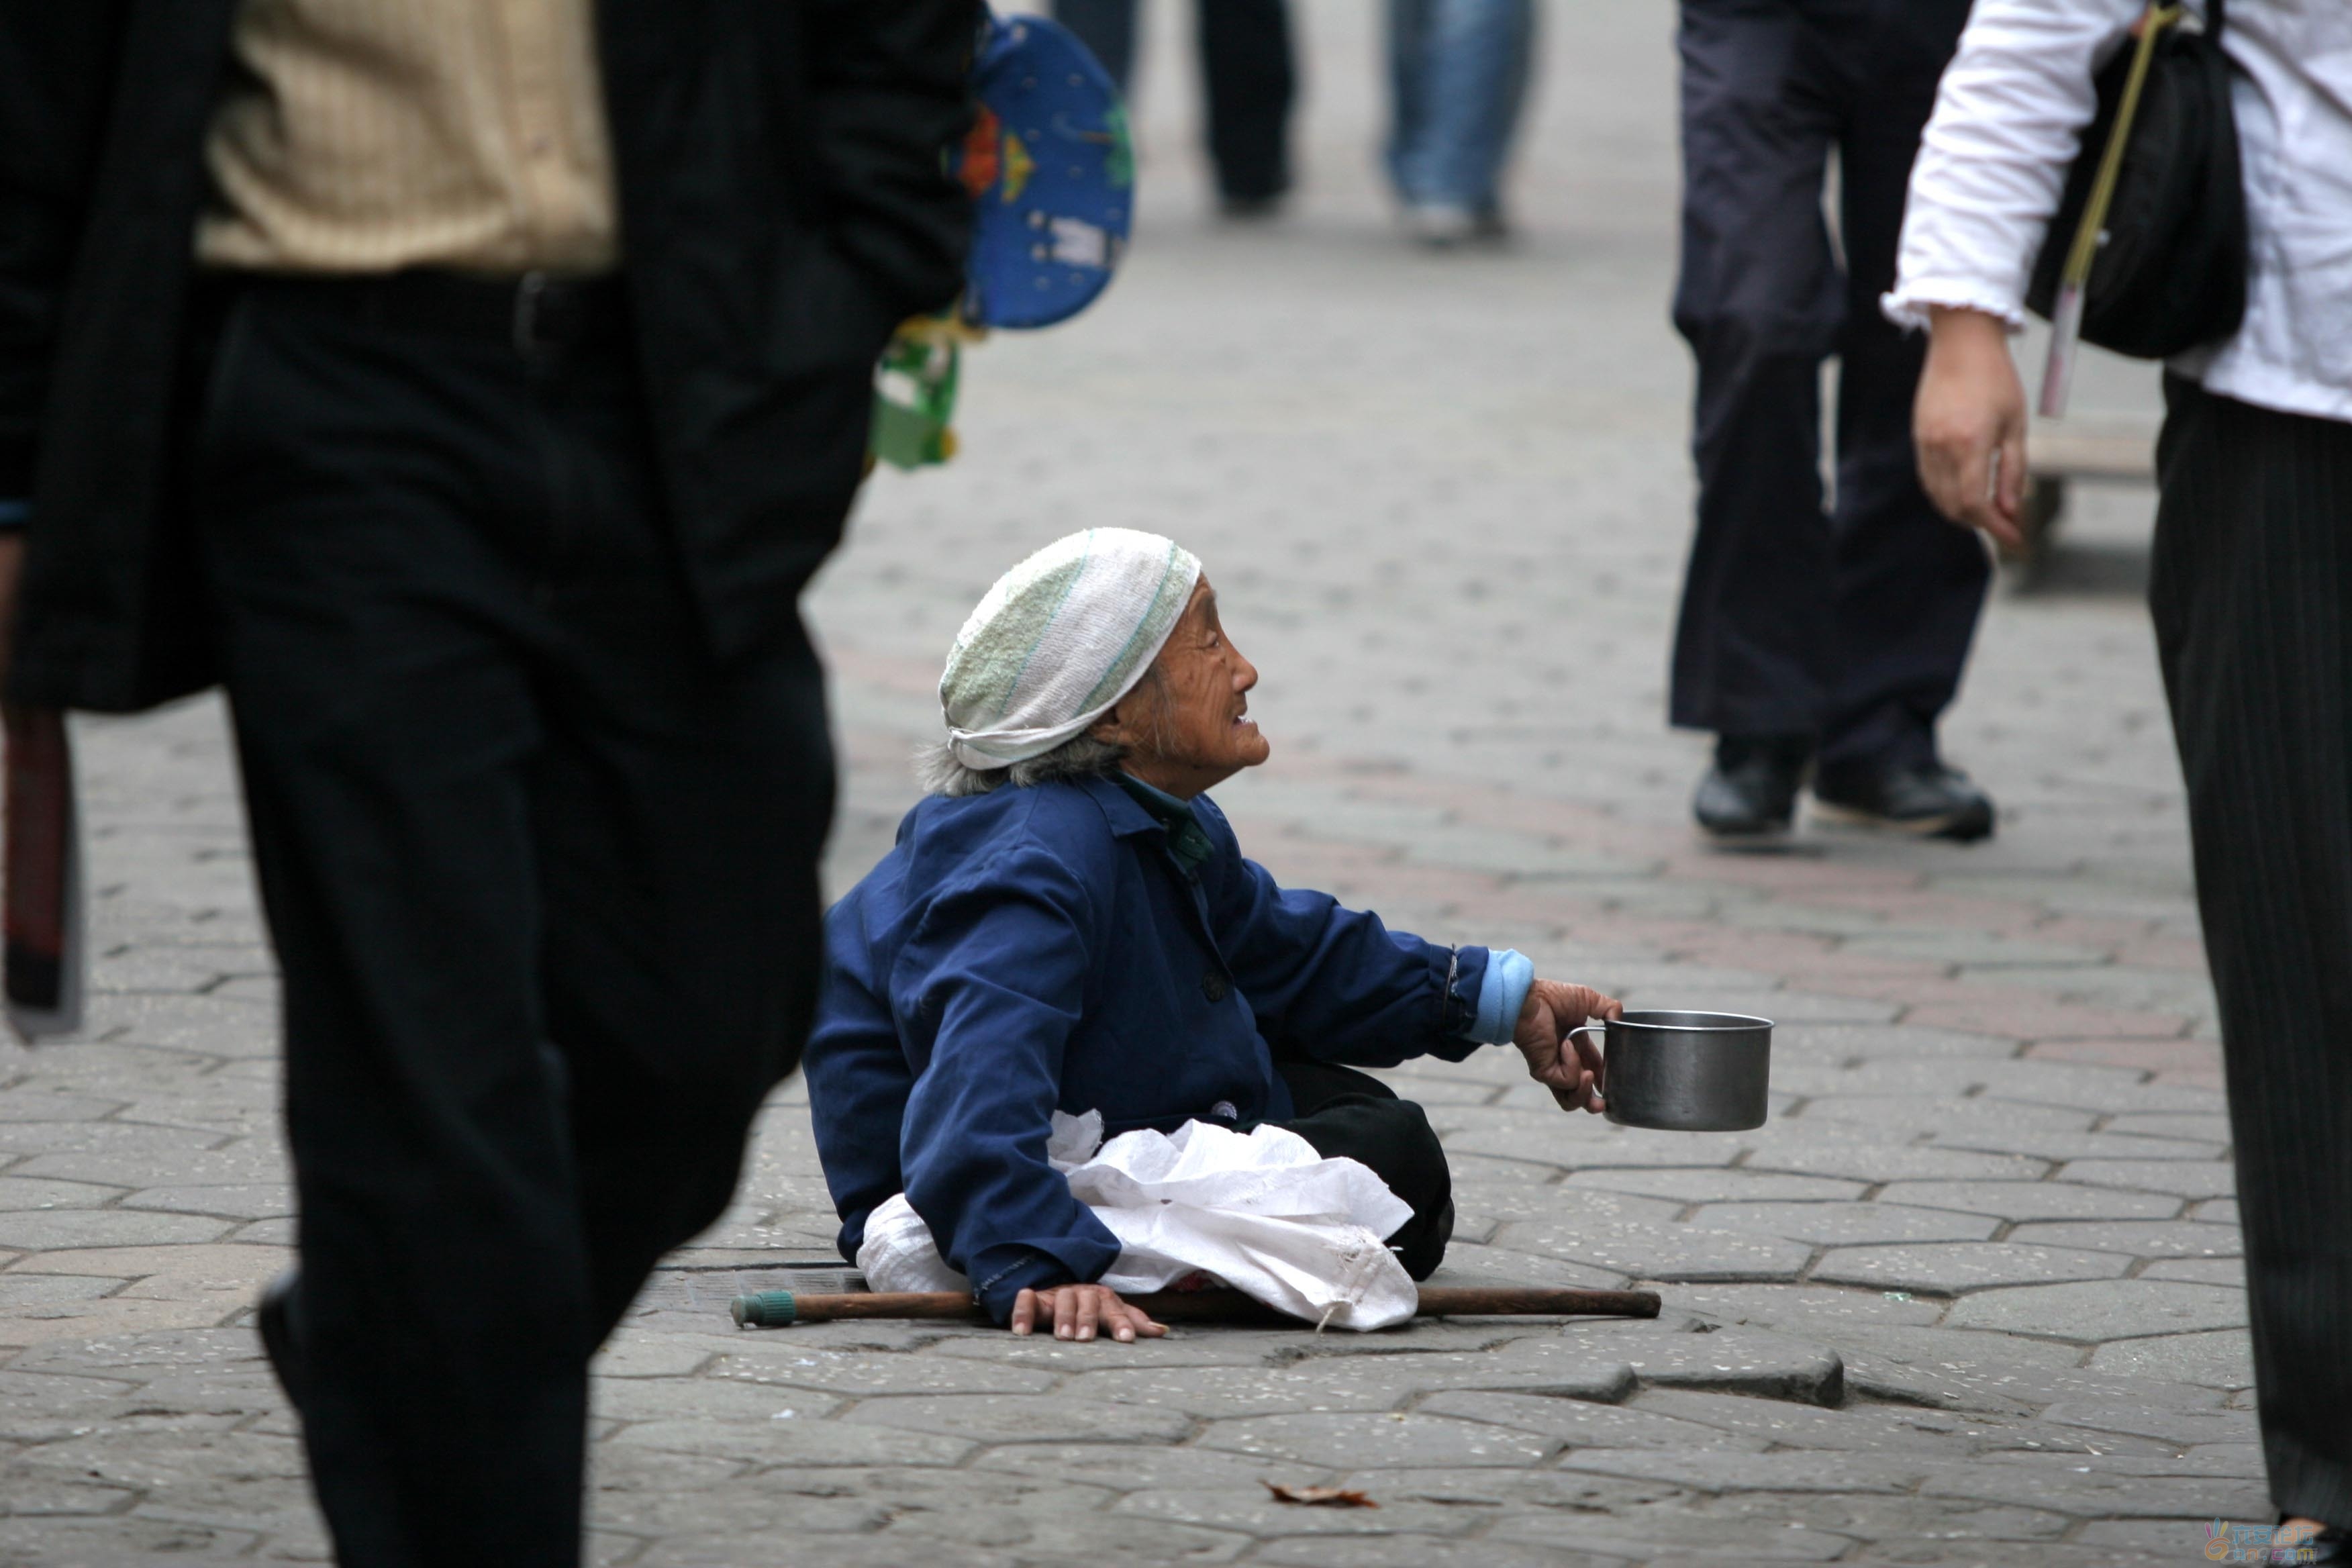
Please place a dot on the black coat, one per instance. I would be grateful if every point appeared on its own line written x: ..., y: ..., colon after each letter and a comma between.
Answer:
x: 783, y: 204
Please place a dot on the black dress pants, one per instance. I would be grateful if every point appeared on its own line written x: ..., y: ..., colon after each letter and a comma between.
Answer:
x: 1247, y: 73
x: 1850, y: 625
x: 2253, y: 598
x: 1347, y: 1114
x: 541, y: 877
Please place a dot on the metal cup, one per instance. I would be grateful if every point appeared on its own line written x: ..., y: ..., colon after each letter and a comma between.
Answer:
x: 1685, y: 1072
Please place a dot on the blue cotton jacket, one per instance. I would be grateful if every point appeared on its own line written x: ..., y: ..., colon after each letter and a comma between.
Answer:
x: 1038, y: 948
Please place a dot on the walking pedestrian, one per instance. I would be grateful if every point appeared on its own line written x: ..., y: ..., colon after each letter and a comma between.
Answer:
x: 1249, y: 80
x: 1458, y: 75
x: 2251, y: 592
x: 470, y: 386
x: 1814, y: 638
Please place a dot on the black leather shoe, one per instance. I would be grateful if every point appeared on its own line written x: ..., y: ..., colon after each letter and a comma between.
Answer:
x: 2330, y: 1546
x: 1751, y: 794
x: 274, y: 1317
x: 1924, y: 798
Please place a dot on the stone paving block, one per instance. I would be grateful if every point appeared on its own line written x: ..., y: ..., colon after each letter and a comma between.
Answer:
x: 857, y: 1375
x: 242, y: 1162
x: 1846, y: 1223
x: 2139, y: 1238
x: 1727, y: 1471
x: 1895, y: 1116
x: 2082, y: 1488
x: 1552, y: 1140
x: 2113, y: 1310
x: 2215, y: 1211
x: 1657, y: 1251
x: 712, y: 1399
x: 1251, y: 1509
x: 2187, y: 1428
x: 1148, y: 1467
x: 1714, y: 1185
x: 23, y: 1192
x: 1667, y: 1538
x: 1406, y: 1550
x: 252, y: 1200
x: 2207, y: 1126
x: 2182, y: 1178
x: 117, y: 1140
x: 797, y: 1444
x: 1825, y: 1309
x: 1749, y: 1360
x: 1056, y: 1536
x: 2033, y: 1200
x: 2070, y: 1146
x: 1585, y: 1424
x: 2198, y: 1270
x: 1829, y: 1149
x: 1839, y: 1043
x: 1020, y: 1419
x: 1948, y: 1268
x: 1369, y: 1440
x: 46, y: 1541
x: 1469, y: 1264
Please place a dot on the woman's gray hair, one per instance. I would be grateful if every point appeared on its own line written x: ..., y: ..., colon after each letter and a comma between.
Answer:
x: 1079, y: 757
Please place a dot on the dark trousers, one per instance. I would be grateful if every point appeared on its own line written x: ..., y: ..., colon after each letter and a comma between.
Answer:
x: 541, y: 880
x: 1246, y: 71
x: 2252, y: 596
x: 1347, y: 1114
x: 1850, y: 625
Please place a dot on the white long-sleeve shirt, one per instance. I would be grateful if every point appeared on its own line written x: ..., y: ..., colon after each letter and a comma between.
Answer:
x: 2010, y: 116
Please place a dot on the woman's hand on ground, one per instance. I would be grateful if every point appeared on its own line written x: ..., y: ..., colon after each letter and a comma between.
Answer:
x: 1969, y: 424
x: 1080, y: 1311
x: 1572, y: 1070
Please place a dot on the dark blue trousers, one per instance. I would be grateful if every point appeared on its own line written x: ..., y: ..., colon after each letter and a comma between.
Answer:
x: 1247, y: 72
x: 1845, y: 616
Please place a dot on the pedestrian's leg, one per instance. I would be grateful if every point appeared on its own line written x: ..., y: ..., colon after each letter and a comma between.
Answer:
x: 364, y: 542
x: 1106, y: 28
x: 1408, y: 45
x: 1910, y: 584
x: 1347, y: 1114
x: 1246, y: 67
x: 1758, y: 301
x: 2250, y: 589
x: 1472, y: 57
x: 680, y: 809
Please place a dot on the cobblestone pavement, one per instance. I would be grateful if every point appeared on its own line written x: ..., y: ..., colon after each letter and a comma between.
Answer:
x: 1971, y: 1297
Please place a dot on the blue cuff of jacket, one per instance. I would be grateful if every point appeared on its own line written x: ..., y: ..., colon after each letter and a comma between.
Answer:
x: 1001, y: 1290
x: 1502, y: 996
x: 15, y: 513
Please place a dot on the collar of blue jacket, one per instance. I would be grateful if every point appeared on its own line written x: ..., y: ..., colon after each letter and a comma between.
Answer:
x: 1040, y: 949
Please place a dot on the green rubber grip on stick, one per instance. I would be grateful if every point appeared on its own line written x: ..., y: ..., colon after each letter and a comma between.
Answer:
x: 765, y: 1309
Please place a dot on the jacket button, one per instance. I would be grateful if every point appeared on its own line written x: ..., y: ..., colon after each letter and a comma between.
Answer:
x: 1213, y: 986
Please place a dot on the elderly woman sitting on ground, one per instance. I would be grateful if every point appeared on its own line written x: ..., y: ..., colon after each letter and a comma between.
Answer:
x: 1068, y: 924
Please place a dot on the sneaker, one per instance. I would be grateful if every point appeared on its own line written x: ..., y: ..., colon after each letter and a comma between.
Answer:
x: 1925, y: 798
x: 1751, y: 794
x: 1441, y: 228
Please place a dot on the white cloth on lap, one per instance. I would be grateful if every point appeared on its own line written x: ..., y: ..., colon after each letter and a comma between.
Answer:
x: 1261, y: 1211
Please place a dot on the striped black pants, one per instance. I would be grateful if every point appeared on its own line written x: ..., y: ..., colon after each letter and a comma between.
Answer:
x: 2253, y: 599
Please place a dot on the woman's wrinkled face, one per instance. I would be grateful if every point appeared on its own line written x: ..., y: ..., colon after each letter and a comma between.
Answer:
x: 1186, y: 725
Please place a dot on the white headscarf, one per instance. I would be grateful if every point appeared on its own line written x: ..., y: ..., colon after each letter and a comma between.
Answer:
x: 1059, y: 639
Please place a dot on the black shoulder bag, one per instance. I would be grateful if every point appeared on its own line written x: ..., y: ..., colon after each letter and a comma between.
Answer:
x: 2147, y: 255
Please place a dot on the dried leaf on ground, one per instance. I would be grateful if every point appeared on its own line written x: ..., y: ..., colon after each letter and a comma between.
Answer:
x: 1320, y: 1497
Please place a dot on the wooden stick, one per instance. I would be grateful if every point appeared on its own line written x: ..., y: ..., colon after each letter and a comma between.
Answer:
x: 776, y: 1309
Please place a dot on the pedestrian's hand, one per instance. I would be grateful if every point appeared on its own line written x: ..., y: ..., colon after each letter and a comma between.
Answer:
x: 1969, y: 424
x: 1572, y: 1070
x: 1079, y: 1311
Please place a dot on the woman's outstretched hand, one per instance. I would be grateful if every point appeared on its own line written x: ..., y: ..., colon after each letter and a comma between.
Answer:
x: 1572, y: 1070
x: 1969, y: 424
x: 1080, y: 1311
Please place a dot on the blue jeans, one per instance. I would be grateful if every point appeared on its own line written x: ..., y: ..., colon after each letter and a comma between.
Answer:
x: 1459, y: 70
